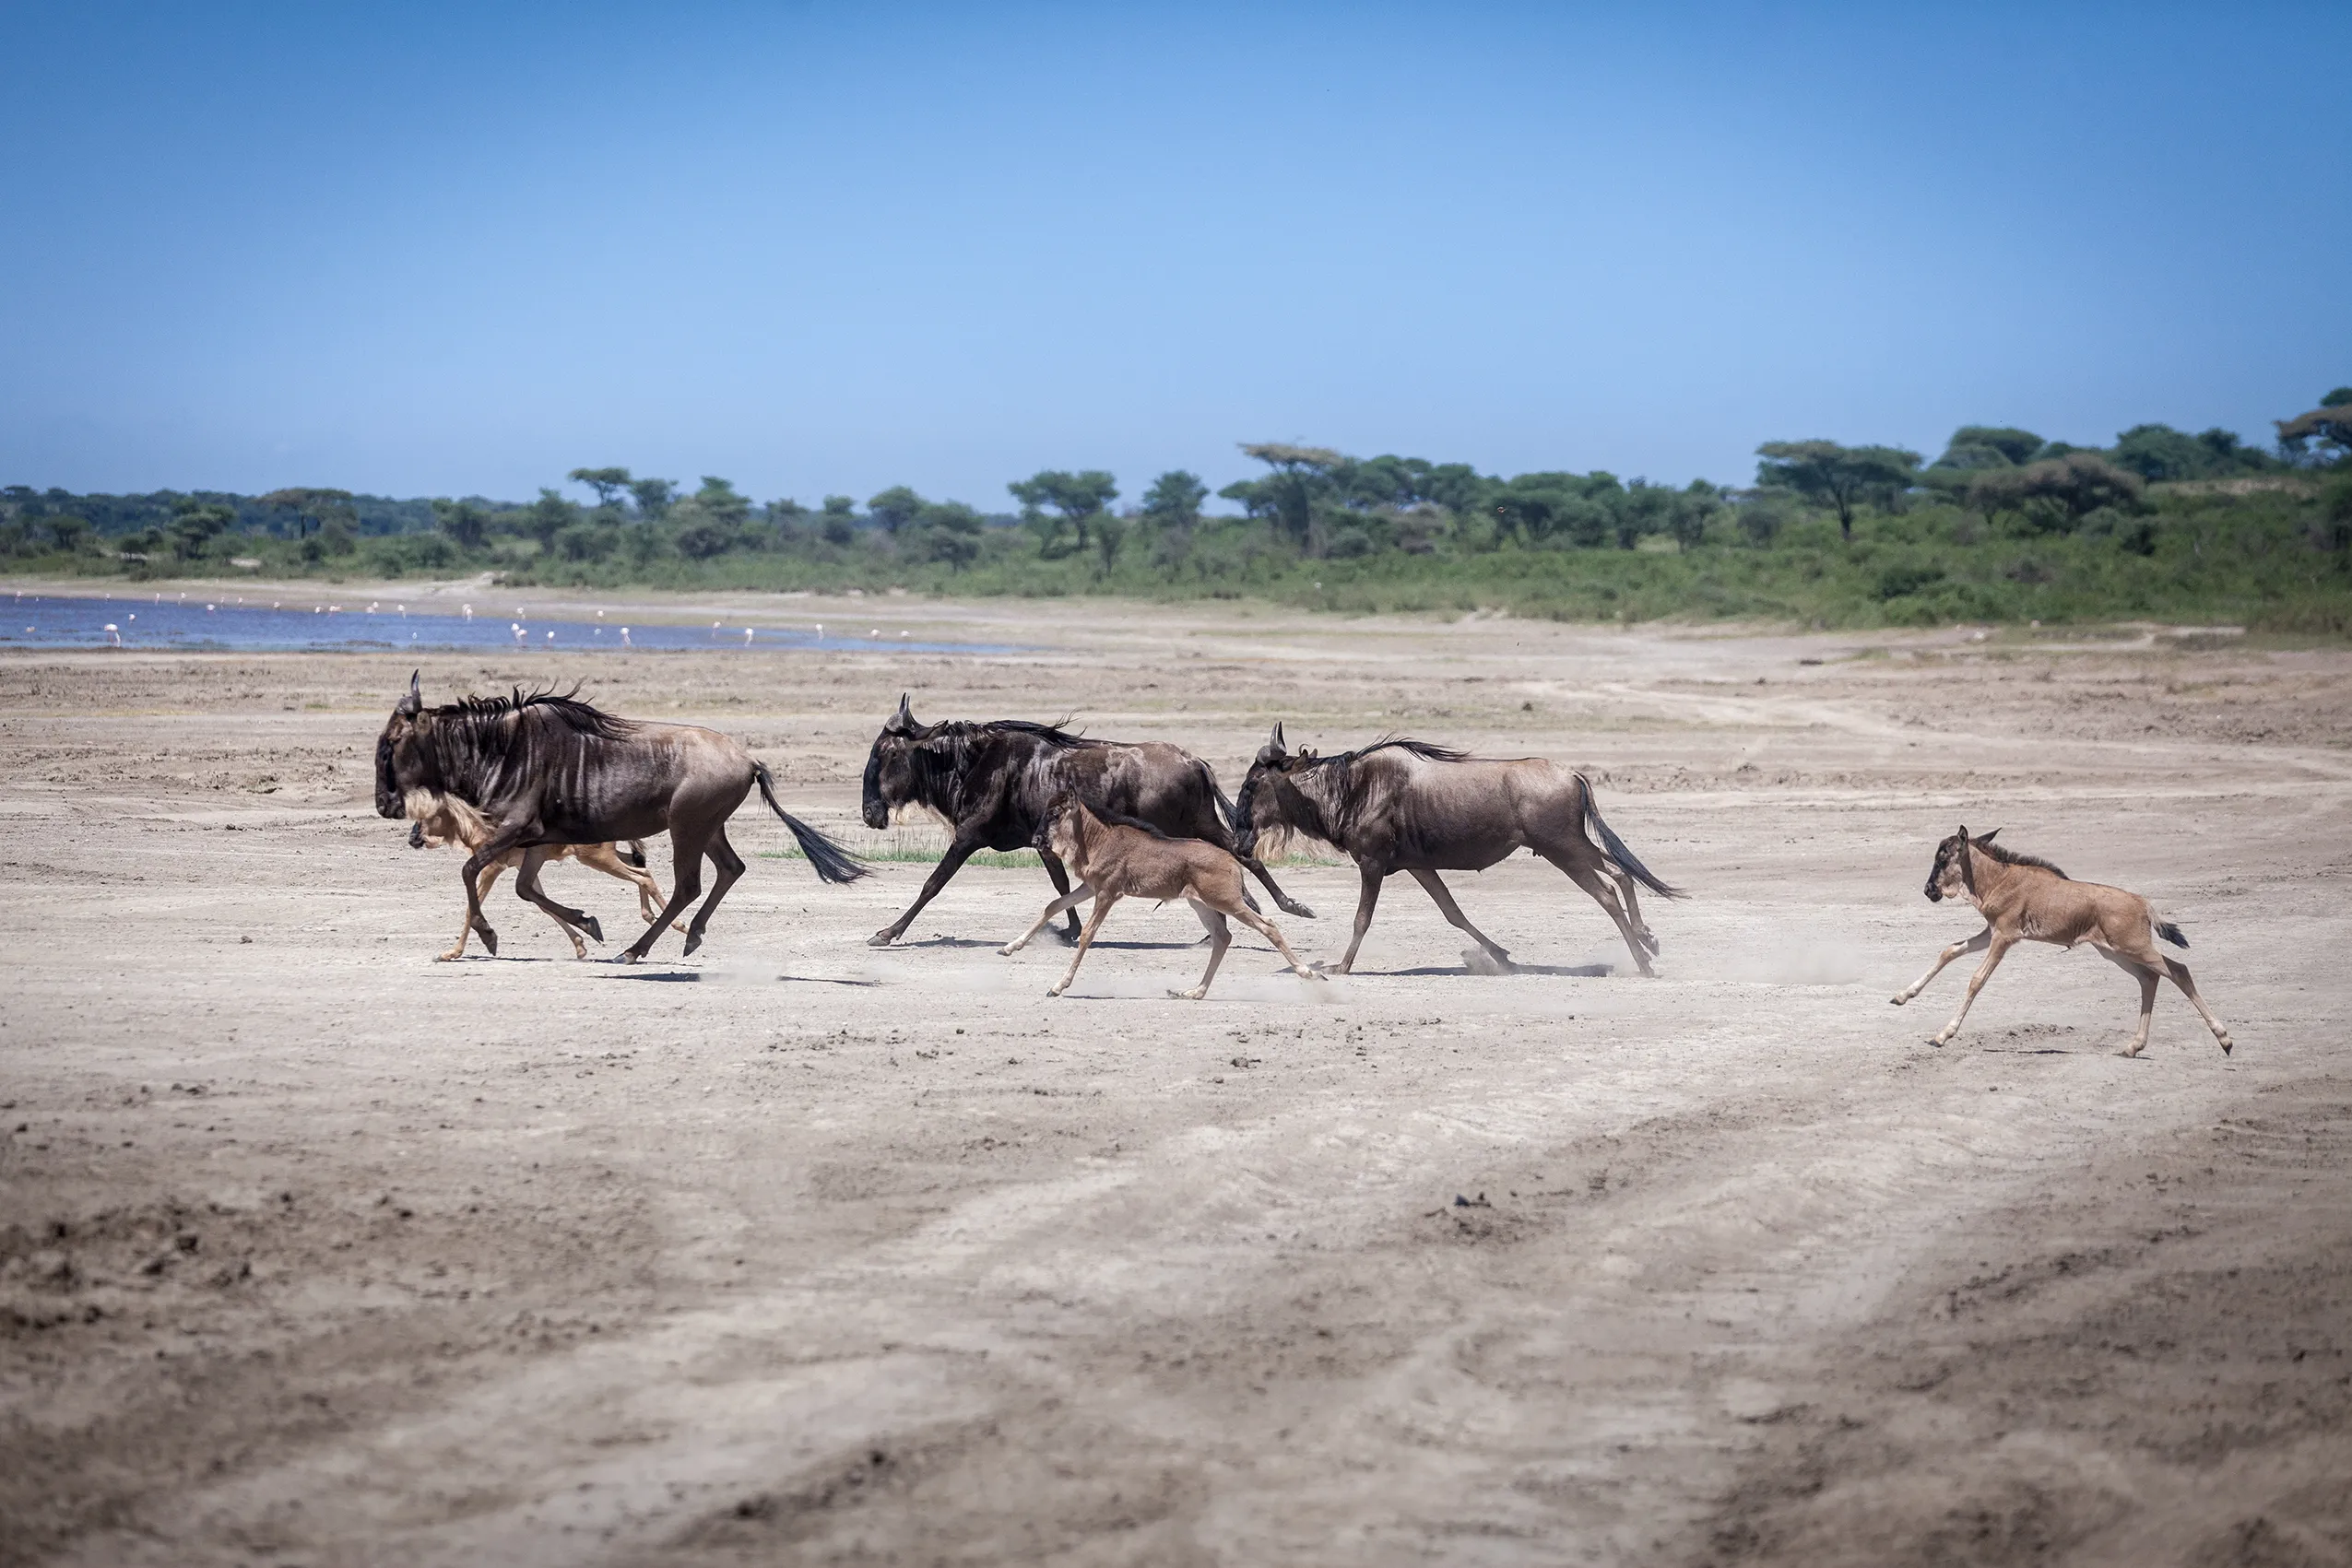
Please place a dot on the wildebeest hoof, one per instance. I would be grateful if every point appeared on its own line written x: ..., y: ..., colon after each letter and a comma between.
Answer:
x: 490, y: 938
x: 1009, y: 950
x: 881, y: 939
x: 446, y: 957
x: 594, y: 929
x: 692, y: 942
x: 1292, y: 906
x: 2225, y: 1042
x: 1053, y: 990
x: 1897, y: 999
x: 1192, y: 995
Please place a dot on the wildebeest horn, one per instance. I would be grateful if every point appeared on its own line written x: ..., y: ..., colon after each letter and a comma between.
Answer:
x: 414, y: 702
x: 1275, y: 740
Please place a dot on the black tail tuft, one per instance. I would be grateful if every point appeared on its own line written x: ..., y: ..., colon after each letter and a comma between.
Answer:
x: 1617, y: 851
x: 833, y: 863
x: 2172, y: 934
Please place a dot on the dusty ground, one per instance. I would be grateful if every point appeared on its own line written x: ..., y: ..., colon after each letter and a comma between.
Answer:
x: 317, y: 1252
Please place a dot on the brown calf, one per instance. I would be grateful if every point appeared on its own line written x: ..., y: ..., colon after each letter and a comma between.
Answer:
x: 443, y: 818
x: 2024, y: 899
x: 1128, y: 858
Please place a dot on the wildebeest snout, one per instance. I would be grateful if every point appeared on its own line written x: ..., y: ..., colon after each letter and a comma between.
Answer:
x: 416, y: 835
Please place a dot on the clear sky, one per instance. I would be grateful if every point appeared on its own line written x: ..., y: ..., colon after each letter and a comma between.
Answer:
x: 419, y: 249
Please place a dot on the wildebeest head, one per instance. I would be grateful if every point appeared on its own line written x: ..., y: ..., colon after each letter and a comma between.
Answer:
x: 1270, y: 800
x: 1951, y: 877
x: 889, y: 766
x: 404, y: 754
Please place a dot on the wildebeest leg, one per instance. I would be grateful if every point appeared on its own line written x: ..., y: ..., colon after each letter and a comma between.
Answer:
x: 604, y: 858
x: 1265, y: 928
x: 1998, y: 949
x: 2177, y: 972
x: 730, y: 867
x: 2147, y: 977
x: 1975, y: 944
x: 686, y: 885
x: 1365, y: 901
x: 1597, y: 888
x: 527, y: 886
x: 1282, y: 901
x: 1060, y: 874
x: 958, y: 852
x: 1435, y: 889
x: 1624, y: 881
x: 1069, y: 900
x: 488, y: 852
x: 479, y: 923
x: 1102, y: 902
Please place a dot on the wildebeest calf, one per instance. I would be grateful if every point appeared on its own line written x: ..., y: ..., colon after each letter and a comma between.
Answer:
x: 2026, y: 898
x: 1128, y: 858
x: 436, y: 820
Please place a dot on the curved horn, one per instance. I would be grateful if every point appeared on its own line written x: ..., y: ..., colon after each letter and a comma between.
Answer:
x: 1275, y: 740
x: 905, y: 709
x: 414, y: 702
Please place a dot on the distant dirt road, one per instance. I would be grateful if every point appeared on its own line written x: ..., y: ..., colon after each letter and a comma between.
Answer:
x: 314, y: 1251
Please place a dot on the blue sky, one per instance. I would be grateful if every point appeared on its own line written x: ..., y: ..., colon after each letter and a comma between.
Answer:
x: 814, y: 248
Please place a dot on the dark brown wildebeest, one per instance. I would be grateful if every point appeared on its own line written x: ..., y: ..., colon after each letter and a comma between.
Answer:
x: 552, y: 770
x: 1126, y: 858
x: 1406, y: 805
x: 2024, y: 897
x: 990, y: 783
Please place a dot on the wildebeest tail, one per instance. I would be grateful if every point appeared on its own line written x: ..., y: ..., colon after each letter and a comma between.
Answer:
x: 1616, y: 849
x: 833, y: 863
x: 2172, y: 934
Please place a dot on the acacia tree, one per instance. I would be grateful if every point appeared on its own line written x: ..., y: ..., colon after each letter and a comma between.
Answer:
x: 607, y: 482
x: 466, y: 525
x: 313, y: 508
x: 1301, y: 476
x: 1840, y: 477
x: 1077, y: 500
x: 895, y: 508
x: 652, y: 497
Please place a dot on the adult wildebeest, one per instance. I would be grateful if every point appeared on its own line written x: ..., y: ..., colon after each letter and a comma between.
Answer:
x: 435, y: 819
x: 1405, y: 806
x: 2025, y: 898
x: 1126, y: 858
x: 549, y: 769
x: 991, y: 782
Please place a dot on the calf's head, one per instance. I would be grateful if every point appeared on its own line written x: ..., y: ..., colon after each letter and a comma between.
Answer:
x: 1952, y: 877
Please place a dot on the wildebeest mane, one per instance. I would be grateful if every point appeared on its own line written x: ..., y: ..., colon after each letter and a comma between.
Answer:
x: 1992, y: 851
x: 1421, y: 749
x: 1340, y: 795
x: 586, y: 718
x: 943, y: 758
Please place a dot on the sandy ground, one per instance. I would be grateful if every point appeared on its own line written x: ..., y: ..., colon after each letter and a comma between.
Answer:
x: 314, y: 1251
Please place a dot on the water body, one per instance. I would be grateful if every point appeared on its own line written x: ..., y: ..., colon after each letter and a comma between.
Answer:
x: 256, y: 623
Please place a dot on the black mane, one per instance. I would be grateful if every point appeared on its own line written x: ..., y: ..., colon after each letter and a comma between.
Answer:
x: 586, y: 718
x: 1421, y: 748
x: 2015, y: 857
x: 951, y: 730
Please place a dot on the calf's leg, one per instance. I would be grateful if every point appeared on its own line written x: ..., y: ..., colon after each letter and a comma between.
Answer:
x: 2177, y: 972
x: 1103, y: 902
x: 1998, y: 950
x: 1975, y: 944
x: 1069, y: 900
x: 2147, y: 977
x: 1220, y: 937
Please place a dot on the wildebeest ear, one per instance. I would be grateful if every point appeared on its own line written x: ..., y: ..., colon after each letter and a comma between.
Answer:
x: 1964, y: 833
x: 1988, y: 838
x: 414, y: 702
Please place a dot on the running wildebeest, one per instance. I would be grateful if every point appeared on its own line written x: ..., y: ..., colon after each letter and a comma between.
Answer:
x: 1406, y: 805
x: 2024, y: 897
x: 1126, y: 858
x: 549, y: 769
x: 990, y: 783
x: 435, y: 819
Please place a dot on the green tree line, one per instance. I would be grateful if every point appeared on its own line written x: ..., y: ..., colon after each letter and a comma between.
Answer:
x: 2002, y: 523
